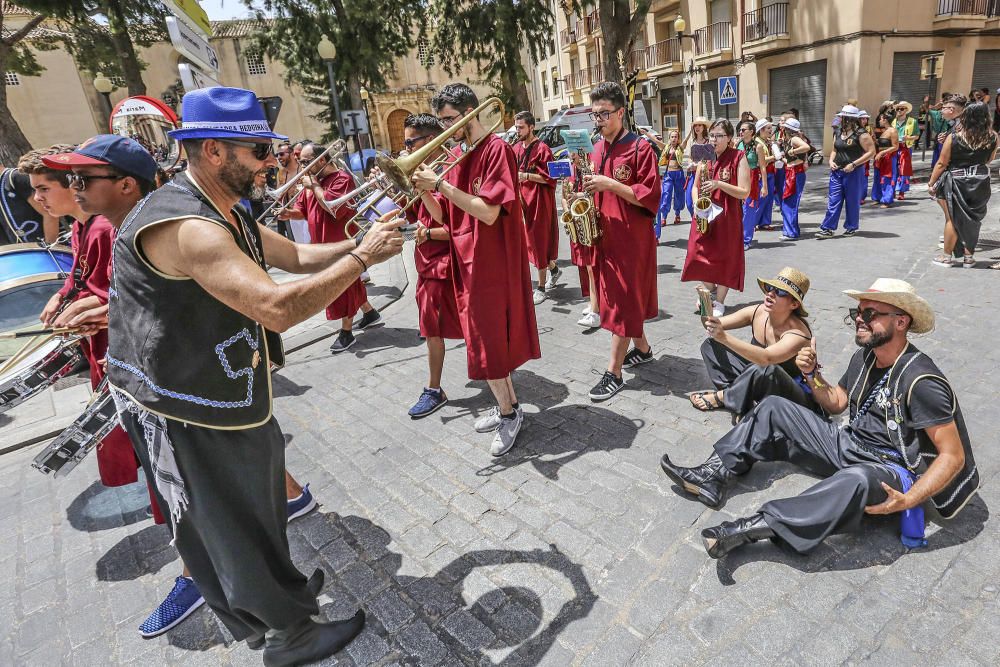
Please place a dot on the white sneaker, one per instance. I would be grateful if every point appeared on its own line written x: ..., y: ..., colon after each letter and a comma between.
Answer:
x: 506, y: 433
x: 554, y: 274
x: 586, y: 310
x: 590, y: 321
x: 491, y: 419
x: 718, y: 309
x: 539, y: 296
x: 941, y: 238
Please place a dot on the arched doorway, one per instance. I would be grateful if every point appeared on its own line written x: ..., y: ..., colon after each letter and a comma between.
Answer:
x: 394, y: 124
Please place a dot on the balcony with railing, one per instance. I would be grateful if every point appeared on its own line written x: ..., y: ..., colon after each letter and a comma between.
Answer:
x: 713, y: 42
x: 965, y: 13
x: 662, y: 55
x: 591, y: 24
x: 590, y: 76
x: 567, y: 37
x: 765, y: 28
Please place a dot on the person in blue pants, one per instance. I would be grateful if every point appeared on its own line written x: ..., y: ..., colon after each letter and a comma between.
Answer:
x: 697, y: 135
x: 852, y: 147
x: 885, y: 166
x: 795, y: 150
x: 673, y: 181
x: 765, y: 135
x: 753, y: 206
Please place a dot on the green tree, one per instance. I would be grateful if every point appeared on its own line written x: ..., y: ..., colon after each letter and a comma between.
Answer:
x: 621, y: 22
x: 370, y: 36
x: 16, y: 57
x: 103, y: 35
x: 491, y: 34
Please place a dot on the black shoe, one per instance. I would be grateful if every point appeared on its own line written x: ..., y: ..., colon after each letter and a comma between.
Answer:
x: 369, y: 319
x: 345, y: 339
x: 824, y: 234
x: 607, y: 387
x: 849, y: 232
x: 708, y: 481
x: 636, y: 357
x: 311, y: 641
x: 314, y: 586
x: 728, y: 535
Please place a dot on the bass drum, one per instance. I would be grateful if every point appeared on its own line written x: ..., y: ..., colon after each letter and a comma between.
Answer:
x: 29, y: 276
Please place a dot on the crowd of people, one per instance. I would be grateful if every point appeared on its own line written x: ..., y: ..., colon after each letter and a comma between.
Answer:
x: 190, y: 391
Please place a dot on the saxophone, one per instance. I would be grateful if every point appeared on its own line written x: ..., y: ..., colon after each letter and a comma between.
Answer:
x: 704, y: 201
x: 580, y: 217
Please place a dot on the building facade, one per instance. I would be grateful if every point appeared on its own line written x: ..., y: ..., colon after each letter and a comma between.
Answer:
x: 811, y: 55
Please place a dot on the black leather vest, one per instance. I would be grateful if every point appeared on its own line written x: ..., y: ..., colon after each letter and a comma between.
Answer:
x: 174, y: 348
x: 915, y: 445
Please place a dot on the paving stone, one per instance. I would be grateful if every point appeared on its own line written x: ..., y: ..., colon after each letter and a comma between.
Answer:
x: 420, y: 643
x: 464, y: 627
x: 391, y: 611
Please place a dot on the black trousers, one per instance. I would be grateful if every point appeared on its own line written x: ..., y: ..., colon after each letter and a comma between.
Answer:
x: 232, y: 535
x: 780, y: 430
x: 744, y: 384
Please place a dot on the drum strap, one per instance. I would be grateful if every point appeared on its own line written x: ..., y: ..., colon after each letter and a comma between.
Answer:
x: 79, y: 264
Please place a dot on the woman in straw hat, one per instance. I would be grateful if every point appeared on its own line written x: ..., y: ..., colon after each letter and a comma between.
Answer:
x: 698, y: 134
x: 961, y: 178
x: 744, y: 373
x: 852, y: 148
x: 909, y: 132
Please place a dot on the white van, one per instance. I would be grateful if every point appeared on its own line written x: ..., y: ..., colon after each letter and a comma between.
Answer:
x: 574, y: 118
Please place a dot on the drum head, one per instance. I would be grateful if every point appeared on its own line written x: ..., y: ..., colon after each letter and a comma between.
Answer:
x: 20, y: 308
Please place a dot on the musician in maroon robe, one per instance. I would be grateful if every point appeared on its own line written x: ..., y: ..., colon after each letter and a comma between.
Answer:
x: 625, y: 185
x: 538, y: 201
x: 327, y: 224
x: 482, y: 209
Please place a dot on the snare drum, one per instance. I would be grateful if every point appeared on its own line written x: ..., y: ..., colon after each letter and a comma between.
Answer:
x: 37, y: 370
x: 29, y: 276
x: 83, y: 435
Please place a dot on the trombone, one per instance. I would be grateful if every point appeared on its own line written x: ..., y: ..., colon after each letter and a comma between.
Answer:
x: 398, y: 172
x: 337, y: 146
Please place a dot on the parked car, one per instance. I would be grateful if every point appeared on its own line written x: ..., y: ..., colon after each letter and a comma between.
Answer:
x: 574, y: 118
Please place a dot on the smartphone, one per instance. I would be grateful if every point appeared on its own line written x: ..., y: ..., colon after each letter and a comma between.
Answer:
x: 700, y: 152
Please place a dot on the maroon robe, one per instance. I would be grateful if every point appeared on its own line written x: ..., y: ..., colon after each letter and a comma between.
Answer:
x: 92, y: 243
x: 717, y: 255
x: 326, y: 228
x: 437, y: 309
x: 538, y: 203
x: 625, y: 273
x: 490, y: 265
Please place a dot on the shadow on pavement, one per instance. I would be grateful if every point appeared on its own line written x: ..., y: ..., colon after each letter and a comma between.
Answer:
x: 100, y: 507
x: 146, y: 552
x: 531, y: 388
x: 282, y: 386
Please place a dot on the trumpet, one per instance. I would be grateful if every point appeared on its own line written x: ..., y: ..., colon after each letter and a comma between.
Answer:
x: 398, y: 172
x: 338, y: 147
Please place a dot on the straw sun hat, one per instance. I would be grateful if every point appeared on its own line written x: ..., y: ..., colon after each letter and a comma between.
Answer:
x: 902, y: 295
x: 792, y: 281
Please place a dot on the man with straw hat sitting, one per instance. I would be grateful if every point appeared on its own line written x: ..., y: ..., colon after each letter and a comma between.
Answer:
x: 905, y: 440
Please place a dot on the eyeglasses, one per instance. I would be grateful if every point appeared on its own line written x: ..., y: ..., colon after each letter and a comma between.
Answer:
x: 80, y: 181
x: 261, y: 151
x: 602, y: 115
x: 410, y: 143
x: 771, y: 289
x: 718, y: 136
x: 867, y: 315
x: 448, y: 121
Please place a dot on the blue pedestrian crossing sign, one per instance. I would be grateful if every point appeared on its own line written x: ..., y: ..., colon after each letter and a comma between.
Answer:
x: 727, y: 90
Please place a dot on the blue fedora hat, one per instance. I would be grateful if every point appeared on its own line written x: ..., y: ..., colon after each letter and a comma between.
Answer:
x: 220, y: 112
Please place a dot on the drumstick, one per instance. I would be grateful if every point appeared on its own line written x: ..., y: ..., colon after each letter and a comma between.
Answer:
x: 29, y: 347
x: 35, y: 332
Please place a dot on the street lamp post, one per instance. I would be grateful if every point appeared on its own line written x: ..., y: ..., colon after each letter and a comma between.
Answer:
x: 680, y: 25
x: 327, y: 51
x: 104, y: 86
x: 365, y: 96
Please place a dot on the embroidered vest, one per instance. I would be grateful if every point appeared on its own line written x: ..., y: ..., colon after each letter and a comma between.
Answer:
x: 175, y: 349
x: 915, y: 445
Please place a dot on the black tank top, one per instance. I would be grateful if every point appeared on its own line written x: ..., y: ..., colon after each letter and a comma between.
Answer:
x: 788, y: 365
x: 884, y: 143
x: 847, y: 150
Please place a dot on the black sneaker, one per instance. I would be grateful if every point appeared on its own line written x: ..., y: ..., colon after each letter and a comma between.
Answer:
x: 824, y: 234
x: 607, y: 387
x: 369, y: 319
x: 849, y: 232
x: 636, y: 357
x: 345, y: 339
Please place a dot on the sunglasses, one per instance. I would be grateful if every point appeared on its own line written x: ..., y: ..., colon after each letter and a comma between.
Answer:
x: 260, y: 151
x: 410, y: 143
x: 602, y: 115
x: 771, y: 289
x: 80, y: 181
x: 867, y: 315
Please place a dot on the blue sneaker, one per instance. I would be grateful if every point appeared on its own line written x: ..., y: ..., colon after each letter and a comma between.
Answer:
x: 302, y: 505
x: 182, y: 601
x: 428, y: 403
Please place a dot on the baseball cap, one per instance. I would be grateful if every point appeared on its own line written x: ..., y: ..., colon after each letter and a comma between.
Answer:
x: 124, y: 154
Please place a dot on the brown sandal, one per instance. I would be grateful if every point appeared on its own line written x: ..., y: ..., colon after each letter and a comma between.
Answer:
x: 706, y: 405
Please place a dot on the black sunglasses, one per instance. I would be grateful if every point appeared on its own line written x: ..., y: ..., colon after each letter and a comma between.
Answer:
x: 769, y: 289
x: 410, y: 143
x: 80, y: 181
x: 260, y: 151
x: 867, y: 315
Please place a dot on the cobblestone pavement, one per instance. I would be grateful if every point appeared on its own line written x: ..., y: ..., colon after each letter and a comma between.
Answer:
x: 572, y: 549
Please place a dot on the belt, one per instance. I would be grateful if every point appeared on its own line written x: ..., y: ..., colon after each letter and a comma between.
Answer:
x: 970, y: 171
x: 883, y: 453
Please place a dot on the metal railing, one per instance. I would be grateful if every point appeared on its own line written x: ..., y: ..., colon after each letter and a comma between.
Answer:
x: 716, y: 37
x: 663, y: 53
x: 637, y: 60
x: 592, y: 22
x: 967, y: 8
x: 588, y: 77
x: 566, y: 37
x: 765, y: 22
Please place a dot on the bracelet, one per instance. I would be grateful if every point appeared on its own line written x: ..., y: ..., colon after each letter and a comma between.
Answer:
x: 364, y: 267
x: 437, y: 184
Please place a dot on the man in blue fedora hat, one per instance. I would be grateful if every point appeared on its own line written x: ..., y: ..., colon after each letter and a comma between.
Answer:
x: 192, y: 321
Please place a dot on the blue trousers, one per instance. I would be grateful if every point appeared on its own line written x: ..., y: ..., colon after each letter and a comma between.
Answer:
x: 753, y: 209
x: 768, y: 202
x: 883, y: 186
x: 790, y: 208
x: 902, y: 183
x: 688, y: 201
x: 672, y: 193
x: 779, y: 192
x: 935, y: 155
x: 845, y: 190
